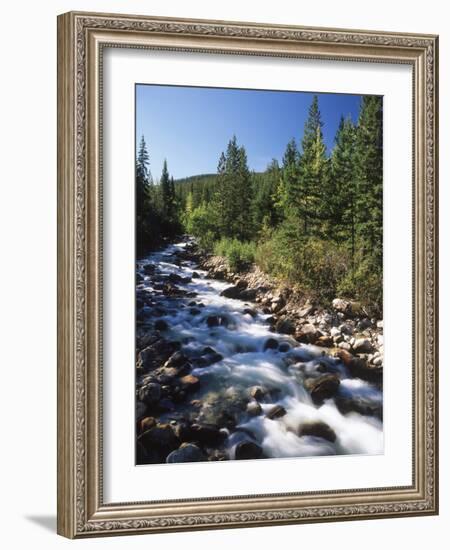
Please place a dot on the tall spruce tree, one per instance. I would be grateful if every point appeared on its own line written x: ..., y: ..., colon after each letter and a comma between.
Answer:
x: 244, y: 195
x: 142, y: 175
x: 166, y: 191
x: 234, y: 192
x: 310, y: 193
x: 265, y: 186
x: 289, y: 187
x: 342, y: 187
x: 143, y: 202
x: 368, y: 170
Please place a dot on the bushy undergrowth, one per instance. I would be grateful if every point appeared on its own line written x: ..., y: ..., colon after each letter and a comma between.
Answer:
x: 240, y: 255
x: 315, y: 266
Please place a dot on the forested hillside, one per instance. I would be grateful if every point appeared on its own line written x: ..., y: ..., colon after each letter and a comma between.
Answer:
x: 315, y: 220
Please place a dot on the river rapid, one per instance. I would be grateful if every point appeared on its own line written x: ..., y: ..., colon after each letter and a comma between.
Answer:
x: 226, y: 385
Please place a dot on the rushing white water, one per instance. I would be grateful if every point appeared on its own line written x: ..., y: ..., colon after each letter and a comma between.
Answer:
x: 245, y: 364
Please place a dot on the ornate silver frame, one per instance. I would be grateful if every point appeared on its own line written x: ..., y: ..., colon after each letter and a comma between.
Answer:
x: 81, y: 38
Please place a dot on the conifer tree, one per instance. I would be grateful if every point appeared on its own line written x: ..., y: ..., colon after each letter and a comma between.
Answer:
x: 234, y: 192
x: 342, y: 188
x: 264, y: 205
x: 166, y: 190
x: 290, y: 185
x: 310, y: 194
x: 368, y: 169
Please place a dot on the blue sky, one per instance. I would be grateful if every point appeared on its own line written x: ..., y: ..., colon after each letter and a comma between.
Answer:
x: 191, y: 126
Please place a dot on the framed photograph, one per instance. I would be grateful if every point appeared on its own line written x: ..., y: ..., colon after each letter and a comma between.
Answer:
x: 247, y: 288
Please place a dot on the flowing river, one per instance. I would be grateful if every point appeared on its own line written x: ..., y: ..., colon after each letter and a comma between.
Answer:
x: 252, y: 383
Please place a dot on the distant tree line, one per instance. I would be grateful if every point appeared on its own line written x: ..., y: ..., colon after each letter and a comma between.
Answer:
x: 315, y: 221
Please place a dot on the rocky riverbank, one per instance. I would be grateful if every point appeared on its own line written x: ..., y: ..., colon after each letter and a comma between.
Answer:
x: 234, y: 366
x: 344, y: 329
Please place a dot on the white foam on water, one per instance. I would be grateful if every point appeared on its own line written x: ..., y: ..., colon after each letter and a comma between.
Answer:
x: 246, y: 364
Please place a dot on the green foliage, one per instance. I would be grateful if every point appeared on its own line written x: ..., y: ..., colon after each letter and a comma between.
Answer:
x: 202, y: 223
x: 157, y: 211
x: 316, y: 221
x: 265, y: 185
x: 316, y: 267
x: 364, y: 282
x: 240, y: 254
x: 234, y: 193
x: 342, y: 190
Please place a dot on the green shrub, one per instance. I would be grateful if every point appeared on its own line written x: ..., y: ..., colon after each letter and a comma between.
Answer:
x: 202, y: 223
x: 365, y: 283
x: 311, y: 264
x: 240, y: 255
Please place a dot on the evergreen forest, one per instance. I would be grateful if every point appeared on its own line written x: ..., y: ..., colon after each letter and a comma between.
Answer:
x: 314, y: 219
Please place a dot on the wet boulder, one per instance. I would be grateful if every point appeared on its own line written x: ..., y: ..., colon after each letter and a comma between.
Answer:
x: 363, y: 345
x: 323, y: 387
x: 254, y: 408
x: 150, y: 394
x: 159, y: 441
x: 324, y: 341
x: 222, y: 408
x: 258, y: 392
x: 202, y: 433
x: 247, y: 450
x: 155, y: 354
x: 284, y: 347
x: 317, y: 429
x: 176, y: 360
x: 248, y: 294
x: 208, y: 359
x: 285, y: 326
x: 359, y: 405
x: 307, y: 334
x: 161, y: 325
x: 175, y: 278
x: 234, y: 291
x: 270, y: 343
x: 189, y: 383
x: 149, y: 269
x: 277, y: 411
x: 187, y: 452
x: 146, y: 423
x: 360, y: 368
x: 217, y: 321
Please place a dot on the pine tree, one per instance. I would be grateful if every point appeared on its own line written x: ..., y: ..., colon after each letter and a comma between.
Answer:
x: 243, y: 190
x: 368, y: 169
x: 148, y: 219
x: 234, y: 192
x: 310, y: 193
x: 142, y: 176
x: 342, y: 188
x: 290, y: 184
x: 264, y: 205
x: 166, y: 191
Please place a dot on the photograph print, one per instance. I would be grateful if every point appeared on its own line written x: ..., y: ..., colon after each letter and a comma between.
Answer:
x: 259, y: 274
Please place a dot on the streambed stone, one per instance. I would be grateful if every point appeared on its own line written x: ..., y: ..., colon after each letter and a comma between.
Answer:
x: 322, y: 388
x: 317, y: 429
x: 187, y: 452
x: 276, y: 412
x: 247, y: 450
